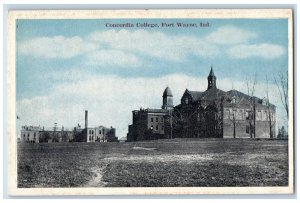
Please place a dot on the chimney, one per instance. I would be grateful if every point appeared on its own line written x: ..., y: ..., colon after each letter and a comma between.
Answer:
x: 86, y: 119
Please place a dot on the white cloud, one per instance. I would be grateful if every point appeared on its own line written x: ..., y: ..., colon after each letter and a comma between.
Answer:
x: 114, y: 44
x: 55, y: 47
x: 266, y: 51
x: 112, y: 47
x: 155, y: 44
x: 110, y: 99
x: 230, y: 35
x: 113, y: 57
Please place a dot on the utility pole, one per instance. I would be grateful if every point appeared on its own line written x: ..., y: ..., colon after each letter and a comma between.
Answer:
x: 171, y: 123
x: 54, y: 133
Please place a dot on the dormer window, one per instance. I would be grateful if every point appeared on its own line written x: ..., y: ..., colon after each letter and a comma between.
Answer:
x: 186, y: 100
x: 264, y: 102
x: 233, y: 100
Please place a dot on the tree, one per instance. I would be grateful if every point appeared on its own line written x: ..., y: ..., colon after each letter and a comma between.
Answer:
x: 282, y: 134
x: 233, y: 115
x: 183, y: 120
x: 251, y: 117
x: 270, y: 112
x: 281, y: 82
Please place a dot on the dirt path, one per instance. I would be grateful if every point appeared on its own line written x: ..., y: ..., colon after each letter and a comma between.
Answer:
x: 96, y: 181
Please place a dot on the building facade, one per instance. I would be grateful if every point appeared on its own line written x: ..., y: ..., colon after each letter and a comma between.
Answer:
x: 148, y: 124
x: 212, y: 113
x: 101, y: 134
x: 36, y: 134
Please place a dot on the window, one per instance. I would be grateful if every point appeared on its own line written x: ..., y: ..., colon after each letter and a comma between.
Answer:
x: 186, y: 100
x: 162, y: 127
x: 99, y: 131
x: 156, y: 119
x: 264, y: 102
x: 259, y: 115
x: 271, y: 116
x: 162, y: 119
x: 241, y: 115
x: 151, y: 119
x: 156, y: 127
x: 234, y: 114
x: 151, y: 127
x: 227, y: 113
x: 247, y: 115
x: 92, y: 131
x: 266, y: 115
x: 233, y: 100
x: 247, y: 129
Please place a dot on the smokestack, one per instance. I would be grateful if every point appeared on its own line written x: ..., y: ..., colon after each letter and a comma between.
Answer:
x: 86, y: 119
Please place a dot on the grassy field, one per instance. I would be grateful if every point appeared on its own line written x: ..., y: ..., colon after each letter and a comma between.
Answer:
x: 202, y: 162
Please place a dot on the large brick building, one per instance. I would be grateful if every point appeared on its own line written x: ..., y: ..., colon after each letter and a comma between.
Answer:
x: 149, y: 123
x: 211, y: 113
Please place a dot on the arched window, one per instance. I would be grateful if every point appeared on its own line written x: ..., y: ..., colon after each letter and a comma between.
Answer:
x: 186, y: 100
x: 233, y: 100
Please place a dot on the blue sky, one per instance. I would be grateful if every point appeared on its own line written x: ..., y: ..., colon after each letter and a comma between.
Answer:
x: 72, y: 65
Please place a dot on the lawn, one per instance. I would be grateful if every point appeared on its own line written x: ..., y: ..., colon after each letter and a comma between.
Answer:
x: 178, y: 162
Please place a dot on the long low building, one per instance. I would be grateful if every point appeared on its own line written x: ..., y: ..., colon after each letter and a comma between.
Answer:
x: 38, y: 134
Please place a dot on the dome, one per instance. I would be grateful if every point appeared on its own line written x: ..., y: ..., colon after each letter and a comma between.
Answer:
x: 168, y: 92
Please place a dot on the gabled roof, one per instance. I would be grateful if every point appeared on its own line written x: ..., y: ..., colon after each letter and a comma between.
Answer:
x: 196, y: 95
x: 244, y: 97
x: 212, y: 94
x: 209, y: 94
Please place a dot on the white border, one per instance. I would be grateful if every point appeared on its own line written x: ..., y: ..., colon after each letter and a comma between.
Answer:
x: 199, y: 13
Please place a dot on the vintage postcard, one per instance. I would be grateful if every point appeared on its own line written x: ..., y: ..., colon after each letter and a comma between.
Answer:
x: 125, y: 102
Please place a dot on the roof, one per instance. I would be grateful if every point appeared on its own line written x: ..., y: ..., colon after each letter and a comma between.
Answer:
x: 156, y: 110
x: 167, y: 92
x: 150, y: 111
x: 212, y: 94
x: 211, y: 73
x: 244, y: 97
x: 196, y: 95
x: 209, y: 94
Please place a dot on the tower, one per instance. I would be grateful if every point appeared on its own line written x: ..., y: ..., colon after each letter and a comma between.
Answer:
x: 167, y: 99
x: 86, y: 119
x: 211, y: 79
